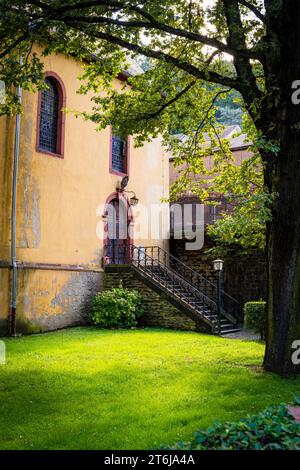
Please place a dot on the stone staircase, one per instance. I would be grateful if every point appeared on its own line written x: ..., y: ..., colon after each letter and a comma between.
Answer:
x: 186, y: 289
x: 192, y: 299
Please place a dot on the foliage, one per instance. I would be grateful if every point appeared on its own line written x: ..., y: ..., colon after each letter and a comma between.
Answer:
x: 229, y: 116
x: 89, y: 388
x: 117, y: 308
x: 255, y: 317
x: 187, y: 87
x: 272, y: 429
x: 244, y: 225
x: 229, y: 110
x: 29, y: 75
x: 187, y: 42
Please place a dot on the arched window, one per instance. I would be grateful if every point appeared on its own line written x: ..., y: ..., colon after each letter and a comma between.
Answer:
x: 50, y: 138
x: 119, y: 155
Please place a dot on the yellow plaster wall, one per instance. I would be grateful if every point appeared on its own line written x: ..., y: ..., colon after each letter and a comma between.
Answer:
x: 4, y: 300
x: 60, y: 200
x: 6, y: 158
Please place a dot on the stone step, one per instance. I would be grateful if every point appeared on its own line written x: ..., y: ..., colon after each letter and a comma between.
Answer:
x: 175, y: 285
x: 229, y: 325
x: 227, y: 332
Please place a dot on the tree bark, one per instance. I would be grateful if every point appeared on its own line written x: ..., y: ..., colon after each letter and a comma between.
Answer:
x: 282, y: 176
x: 283, y: 261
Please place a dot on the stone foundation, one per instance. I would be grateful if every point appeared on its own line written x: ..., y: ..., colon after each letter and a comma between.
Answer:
x: 51, y: 299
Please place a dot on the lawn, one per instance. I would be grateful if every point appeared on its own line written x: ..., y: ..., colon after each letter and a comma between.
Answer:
x: 85, y: 388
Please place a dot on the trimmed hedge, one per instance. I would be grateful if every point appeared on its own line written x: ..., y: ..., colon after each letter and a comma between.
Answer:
x: 255, y: 317
x: 272, y: 429
x: 117, y: 308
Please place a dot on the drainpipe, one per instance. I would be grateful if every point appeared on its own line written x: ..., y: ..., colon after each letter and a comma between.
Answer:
x: 13, y: 326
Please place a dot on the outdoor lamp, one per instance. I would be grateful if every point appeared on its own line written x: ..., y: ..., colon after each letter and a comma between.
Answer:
x: 121, y: 187
x: 134, y: 200
x: 218, y: 265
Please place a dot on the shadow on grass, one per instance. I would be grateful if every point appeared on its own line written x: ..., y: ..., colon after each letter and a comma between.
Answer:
x: 128, y: 390
x: 126, y: 408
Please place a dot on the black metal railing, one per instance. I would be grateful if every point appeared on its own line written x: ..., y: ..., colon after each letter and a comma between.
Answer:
x: 169, y: 270
x: 158, y: 269
x: 117, y: 253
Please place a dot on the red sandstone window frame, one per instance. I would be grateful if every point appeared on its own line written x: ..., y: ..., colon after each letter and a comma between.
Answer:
x: 62, y: 99
x: 127, y: 157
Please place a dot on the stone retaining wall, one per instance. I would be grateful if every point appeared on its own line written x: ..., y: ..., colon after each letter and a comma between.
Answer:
x: 159, y: 312
x: 245, y: 274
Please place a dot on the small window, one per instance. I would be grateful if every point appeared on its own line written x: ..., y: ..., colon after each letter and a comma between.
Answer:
x: 51, y: 118
x: 119, y: 154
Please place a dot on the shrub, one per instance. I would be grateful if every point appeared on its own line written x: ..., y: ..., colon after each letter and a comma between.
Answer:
x: 255, y: 317
x: 272, y: 429
x: 117, y: 308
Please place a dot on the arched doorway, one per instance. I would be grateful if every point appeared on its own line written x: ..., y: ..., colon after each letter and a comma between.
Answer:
x: 118, y: 229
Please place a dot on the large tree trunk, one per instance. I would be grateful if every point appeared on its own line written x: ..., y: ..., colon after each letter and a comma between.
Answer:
x: 283, y: 320
x: 282, y: 175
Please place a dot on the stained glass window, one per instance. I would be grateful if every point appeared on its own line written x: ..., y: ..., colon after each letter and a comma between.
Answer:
x: 119, y: 154
x: 49, y: 117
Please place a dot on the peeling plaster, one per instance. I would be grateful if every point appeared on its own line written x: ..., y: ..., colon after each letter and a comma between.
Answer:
x: 68, y: 302
x: 31, y: 223
x: 30, y: 226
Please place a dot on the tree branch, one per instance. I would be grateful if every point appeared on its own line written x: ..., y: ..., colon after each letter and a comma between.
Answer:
x: 221, y: 92
x: 162, y: 27
x: 237, y: 39
x: 206, y: 75
x: 254, y: 10
x: 172, y: 101
x: 13, y: 45
x: 152, y: 23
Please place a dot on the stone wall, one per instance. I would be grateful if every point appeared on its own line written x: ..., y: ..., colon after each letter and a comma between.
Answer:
x: 244, y: 277
x: 159, y: 312
x: 51, y: 299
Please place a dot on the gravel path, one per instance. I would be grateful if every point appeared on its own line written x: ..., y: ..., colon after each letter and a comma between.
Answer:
x: 244, y: 334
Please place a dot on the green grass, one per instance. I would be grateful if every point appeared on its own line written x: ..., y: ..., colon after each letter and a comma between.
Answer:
x: 85, y: 388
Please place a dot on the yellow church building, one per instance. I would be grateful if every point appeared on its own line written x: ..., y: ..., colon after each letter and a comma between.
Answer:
x: 68, y: 175
x: 86, y: 213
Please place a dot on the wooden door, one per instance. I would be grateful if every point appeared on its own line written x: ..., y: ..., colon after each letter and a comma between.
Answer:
x: 117, y: 241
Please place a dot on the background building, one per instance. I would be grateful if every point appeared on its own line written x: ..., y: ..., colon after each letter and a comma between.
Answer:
x: 245, y: 276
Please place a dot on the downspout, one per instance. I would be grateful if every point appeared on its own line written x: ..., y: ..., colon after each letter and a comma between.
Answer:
x: 13, y: 326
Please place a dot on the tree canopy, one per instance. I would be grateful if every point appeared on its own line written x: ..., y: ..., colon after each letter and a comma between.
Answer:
x: 250, y: 46
x: 171, y: 95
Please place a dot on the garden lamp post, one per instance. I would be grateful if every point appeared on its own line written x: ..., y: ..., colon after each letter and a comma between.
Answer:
x: 218, y: 265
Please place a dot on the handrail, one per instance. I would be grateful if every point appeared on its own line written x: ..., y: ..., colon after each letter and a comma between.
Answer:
x: 139, y: 258
x: 175, y: 273
x: 122, y: 254
x: 204, y: 285
x: 187, y: 267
